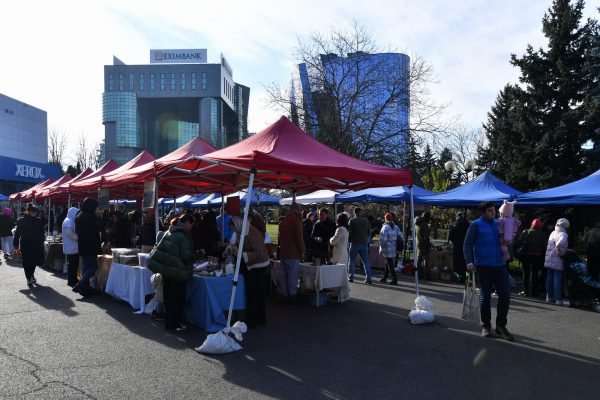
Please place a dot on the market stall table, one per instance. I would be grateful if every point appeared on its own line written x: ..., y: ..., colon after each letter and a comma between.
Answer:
x: 53, y: 255
x: 209, y: 296
x: 130, y: 283
x: 319, y: 277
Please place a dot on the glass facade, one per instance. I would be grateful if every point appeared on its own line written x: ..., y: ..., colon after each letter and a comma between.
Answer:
x: 121, y: 108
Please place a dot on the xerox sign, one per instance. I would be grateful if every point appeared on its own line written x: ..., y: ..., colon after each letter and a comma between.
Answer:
x: 12, y: 169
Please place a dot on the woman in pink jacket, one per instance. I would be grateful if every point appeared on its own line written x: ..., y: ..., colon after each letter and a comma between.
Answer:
x: 558, y: 243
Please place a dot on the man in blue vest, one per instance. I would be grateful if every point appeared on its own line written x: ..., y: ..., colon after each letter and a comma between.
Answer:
x: 483, y: 255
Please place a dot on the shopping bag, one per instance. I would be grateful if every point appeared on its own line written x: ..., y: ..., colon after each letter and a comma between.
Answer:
x: 470, y: 308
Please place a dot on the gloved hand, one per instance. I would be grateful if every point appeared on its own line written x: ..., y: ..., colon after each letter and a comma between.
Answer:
x: 470, y: 267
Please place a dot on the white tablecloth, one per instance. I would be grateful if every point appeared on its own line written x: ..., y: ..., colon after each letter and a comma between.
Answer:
x: 129, y: 283
x: 319, y: 277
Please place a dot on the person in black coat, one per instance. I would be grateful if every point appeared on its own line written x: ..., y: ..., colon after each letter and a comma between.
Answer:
x: 456, y: 235
x: 593, y: 252
x: 307, y: 227
x: 88, y: 244
x: 29, y: 239
x: 323, y: 230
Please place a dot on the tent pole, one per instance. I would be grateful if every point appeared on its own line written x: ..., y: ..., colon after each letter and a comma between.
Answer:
x: 240, y: 248
x: 49, y: 215
x: 222, y: 217
x: 69, y: 201
x: 414, y: 239
x: 156, y: 222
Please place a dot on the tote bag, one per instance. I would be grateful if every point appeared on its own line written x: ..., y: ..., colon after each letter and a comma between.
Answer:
x: 470, y: 308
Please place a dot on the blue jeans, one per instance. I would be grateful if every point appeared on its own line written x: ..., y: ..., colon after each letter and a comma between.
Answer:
x: 7, y: 246
x: 554, y: 284
x: 362, y: 250
x: 498, y: 277
x: 90, y: 265
x: 288, y: 277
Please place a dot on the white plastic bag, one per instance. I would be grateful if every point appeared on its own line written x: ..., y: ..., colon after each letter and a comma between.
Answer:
x: 424, y: 312
x: 218, y: 343
x: 470, y: 308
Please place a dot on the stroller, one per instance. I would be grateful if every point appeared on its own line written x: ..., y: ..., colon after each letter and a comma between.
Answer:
x: 581, y: 289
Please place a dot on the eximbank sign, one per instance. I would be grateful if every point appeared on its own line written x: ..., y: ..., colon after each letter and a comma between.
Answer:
x: 189, y: 56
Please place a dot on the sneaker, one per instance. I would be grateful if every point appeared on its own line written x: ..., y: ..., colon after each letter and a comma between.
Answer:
x: 32, y: 279
x: 502, y: 331
x: 181, y: 327
x: 350, y: 279
x: 29, y: 282
x: 549, y: 300
x: 383, y: 280
x: 367, y: 282
x: 564, y: 303
x: 485, y: 332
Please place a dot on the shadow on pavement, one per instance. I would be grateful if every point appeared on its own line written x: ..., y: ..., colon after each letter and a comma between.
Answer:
x: 50, y: 299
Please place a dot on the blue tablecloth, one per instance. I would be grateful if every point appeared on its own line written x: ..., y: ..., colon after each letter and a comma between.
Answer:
x: 209, y: 296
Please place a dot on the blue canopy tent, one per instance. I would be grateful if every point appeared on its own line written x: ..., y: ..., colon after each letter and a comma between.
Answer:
x: 186, y: 200
x: 3, y: 197
x: 394, y: 194
x: 257, y: 199
x: 585, y: 191
x: 486, y: 187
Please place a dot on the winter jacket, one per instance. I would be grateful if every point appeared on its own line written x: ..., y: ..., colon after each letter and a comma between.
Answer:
x: 339, y: 241
x: 70, y: 245
x: 423, y: 233
x: 482, y: 244
x: 86, y: 227
x: 359, y: 229
x: 507, y: 227
x: 535, y: 242
x: 255, y: 252
x: 323, y: 229
x: 291, y: 240
x: 6, y: 225
x: 29, y: 238
x: 558, y: 243
x: 174, y: 256
x: 388, y: 238
x: 593, y: 244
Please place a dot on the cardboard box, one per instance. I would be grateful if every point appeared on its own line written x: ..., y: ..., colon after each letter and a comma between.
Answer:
x: 441, y: 259
x: 104, y: 264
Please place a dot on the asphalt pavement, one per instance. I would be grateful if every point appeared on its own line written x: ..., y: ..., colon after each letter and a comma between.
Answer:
x: 55, y: 345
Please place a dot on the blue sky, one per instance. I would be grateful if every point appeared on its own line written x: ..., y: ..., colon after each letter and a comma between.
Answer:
x: 52, y: 53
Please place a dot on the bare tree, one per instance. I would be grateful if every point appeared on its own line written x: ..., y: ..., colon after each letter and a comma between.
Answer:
x: 355, y: 99
x: 84, y: 153
x: 57, y: 144
x: 97, y: 155
x: 464, y: 143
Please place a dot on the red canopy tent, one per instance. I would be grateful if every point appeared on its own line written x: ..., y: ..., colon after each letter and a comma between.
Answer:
x: 131, y: 183
x: 93, y: 183
x: 285, y: 157
x: 29, y: 193
x: 42, y: 193
x: 280, y: 156
x: 61, y: 192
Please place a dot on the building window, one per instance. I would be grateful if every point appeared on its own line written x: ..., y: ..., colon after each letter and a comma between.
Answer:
x: 162, y: 81
x: 121, y: 82
x: 172, y: 81
x: 204, y: 81
x: 142, y: 82
x: 151, y: 81
x: 131, y: 85
x: 110, y: 82
x: 183, y: 81
x: 193, y: 81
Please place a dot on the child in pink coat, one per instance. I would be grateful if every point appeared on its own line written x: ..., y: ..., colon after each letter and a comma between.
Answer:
x: 507, y: 227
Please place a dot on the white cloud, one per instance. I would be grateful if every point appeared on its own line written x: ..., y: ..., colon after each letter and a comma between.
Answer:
x: 53, y: 53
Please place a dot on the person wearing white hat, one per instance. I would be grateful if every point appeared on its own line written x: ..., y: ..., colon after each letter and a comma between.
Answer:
x: 558, y: 244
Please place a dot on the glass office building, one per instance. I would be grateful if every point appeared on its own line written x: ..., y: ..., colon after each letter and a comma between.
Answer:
x: 379, y: 77
x: 159, y: 107
x: 23, y: 146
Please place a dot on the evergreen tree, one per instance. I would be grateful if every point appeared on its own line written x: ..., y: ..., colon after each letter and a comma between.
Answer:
x: 413, y: 159
x: 428, y: 162
x: 539, y: 136
x: 445, y: 156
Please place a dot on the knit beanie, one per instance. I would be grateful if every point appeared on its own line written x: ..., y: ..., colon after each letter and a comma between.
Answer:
x: 507, y: 208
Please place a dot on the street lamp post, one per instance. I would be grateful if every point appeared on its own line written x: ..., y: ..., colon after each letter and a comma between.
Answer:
x: 453, y: 167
